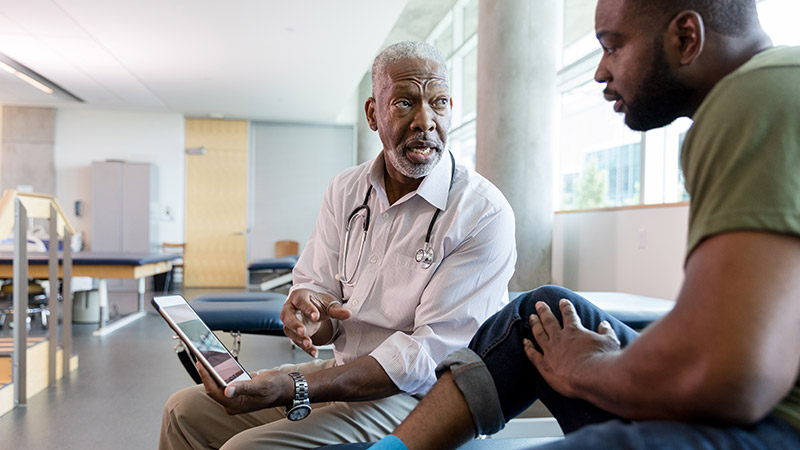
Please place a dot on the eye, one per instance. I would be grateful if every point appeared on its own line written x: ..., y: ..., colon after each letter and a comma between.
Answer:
x: 402, y: 104
x: 608, y: 47
x: 441, y: 102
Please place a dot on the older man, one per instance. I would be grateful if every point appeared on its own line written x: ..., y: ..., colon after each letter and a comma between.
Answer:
x: 410, y: 254
x: 721, y: 370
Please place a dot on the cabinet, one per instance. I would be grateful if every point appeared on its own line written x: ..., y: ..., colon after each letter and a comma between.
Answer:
x: 124, y: 209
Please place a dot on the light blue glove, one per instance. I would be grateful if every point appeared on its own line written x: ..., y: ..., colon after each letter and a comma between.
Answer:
x: 390, y: 442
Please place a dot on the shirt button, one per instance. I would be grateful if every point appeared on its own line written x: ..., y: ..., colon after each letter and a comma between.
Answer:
x: 373, y: 260
x: 354, y: 302
x: 385, y: 215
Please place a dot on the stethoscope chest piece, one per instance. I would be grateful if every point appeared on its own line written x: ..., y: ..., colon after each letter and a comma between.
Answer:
x: 425, y: 256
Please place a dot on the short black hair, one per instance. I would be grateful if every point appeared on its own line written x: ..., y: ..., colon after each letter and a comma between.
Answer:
x: 728, y: 17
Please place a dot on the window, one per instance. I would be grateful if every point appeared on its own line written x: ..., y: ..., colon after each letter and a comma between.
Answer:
x: 601, y: 163
x: 456, y: 37
x: 779, y: 20
x: 598, y: 171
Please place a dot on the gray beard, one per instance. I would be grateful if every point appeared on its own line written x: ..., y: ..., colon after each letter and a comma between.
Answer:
x: 398, y: 160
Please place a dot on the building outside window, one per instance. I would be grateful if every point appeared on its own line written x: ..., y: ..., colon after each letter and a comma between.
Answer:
x: 597, y: 156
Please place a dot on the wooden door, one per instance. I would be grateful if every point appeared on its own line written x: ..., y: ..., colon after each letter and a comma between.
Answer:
x: 216, y: 204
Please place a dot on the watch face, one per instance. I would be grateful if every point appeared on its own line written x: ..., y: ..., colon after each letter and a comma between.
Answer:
x: 299, y: 412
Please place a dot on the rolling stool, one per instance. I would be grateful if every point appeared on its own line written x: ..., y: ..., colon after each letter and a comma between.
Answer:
x: 37, y: 304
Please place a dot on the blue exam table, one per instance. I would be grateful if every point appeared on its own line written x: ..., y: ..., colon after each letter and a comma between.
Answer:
x: 270, y: 273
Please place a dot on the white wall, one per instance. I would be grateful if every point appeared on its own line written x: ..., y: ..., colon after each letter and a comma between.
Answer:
x: 83, y: 136
x: 638, y: 251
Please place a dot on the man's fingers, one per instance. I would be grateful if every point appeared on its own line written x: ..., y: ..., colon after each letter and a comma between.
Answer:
x: 239, y: 388
x: 538, y: 331
x: 312, y: 307
x: 312, y: 350
x: 289, y: 317
x: 533, y: 355
x: 304, y: 300
x: 303, y: 342
x: 569, y: 316
x: 605, y: 329
x: 547, y: 318
x: 337, y: 311
x: 295, y: 337
x: 208, y: 381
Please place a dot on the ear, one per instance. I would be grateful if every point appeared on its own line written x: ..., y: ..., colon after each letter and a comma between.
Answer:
x: 369, y: 108
x: 687, y: 36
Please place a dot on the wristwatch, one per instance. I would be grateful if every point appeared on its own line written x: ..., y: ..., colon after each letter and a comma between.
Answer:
x: 301, y: 407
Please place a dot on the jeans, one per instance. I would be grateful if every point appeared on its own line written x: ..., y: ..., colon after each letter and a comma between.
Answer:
x: 499, y: 382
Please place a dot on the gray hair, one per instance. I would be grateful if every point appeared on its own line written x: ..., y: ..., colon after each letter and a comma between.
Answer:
x: 405, y: 50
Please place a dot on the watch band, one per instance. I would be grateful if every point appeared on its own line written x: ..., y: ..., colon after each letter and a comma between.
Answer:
x: 300, y: 388
x: 301, y: 407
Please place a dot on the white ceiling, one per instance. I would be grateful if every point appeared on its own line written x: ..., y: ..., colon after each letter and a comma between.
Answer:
x: 286, y: 60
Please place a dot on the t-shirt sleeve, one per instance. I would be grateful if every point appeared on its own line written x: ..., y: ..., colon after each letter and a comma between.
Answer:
x: 742, y: 156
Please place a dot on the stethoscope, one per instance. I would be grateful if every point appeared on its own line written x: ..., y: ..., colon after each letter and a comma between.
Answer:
x: 424, y: 255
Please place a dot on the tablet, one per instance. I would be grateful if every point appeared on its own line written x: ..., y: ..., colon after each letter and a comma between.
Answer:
x: 200, y: 340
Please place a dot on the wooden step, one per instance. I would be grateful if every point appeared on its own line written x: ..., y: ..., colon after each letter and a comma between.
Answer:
x: 37, y: 364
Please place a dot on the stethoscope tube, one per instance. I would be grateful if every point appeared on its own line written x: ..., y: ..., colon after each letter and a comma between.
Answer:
x: 424, y: 255
x: 365, y: 227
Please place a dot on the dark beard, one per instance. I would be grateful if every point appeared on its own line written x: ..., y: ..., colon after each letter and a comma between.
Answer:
x: 661, y: 97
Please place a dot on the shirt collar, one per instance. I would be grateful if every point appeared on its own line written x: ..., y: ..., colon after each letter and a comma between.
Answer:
x: 435, y: 188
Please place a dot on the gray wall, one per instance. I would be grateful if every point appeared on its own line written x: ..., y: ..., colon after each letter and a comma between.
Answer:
x: 638, y: 250
x: 292, y: 167
x: 28, y: 136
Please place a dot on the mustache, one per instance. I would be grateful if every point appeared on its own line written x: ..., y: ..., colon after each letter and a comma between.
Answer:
x: 422, y: 141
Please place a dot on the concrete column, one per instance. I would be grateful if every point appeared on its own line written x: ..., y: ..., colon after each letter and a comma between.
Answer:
x: 518, y: 51
x: 369, y: 143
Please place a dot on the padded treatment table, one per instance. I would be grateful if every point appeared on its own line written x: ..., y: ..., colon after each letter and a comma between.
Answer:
x: 100, y: 265
x: 245, y: 312
x: 279, y: 266
x: 286, y: 262
x: 241, y: 312
x: 635, y: 311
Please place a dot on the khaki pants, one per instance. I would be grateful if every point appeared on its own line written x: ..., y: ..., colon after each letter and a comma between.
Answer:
x: 192, y: 420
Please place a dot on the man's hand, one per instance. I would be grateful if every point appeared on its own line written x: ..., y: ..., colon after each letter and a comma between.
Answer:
x: 317, y: 308
x: 267, y: 389
x: 565, y: 349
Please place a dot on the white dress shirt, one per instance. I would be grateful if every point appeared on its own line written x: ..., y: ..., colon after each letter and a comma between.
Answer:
x: 405, y: 316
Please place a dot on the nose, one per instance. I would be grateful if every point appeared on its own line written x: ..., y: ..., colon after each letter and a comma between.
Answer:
x: 423, y: 118
x: 602, y: 75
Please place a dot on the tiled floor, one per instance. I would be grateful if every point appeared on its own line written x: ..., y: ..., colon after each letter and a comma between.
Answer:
x: 114, y: 399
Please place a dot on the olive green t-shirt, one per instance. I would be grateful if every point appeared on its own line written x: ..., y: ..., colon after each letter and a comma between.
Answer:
x: 741, y: 160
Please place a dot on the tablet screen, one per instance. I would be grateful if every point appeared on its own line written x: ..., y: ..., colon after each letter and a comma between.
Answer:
x: 205, y: 341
